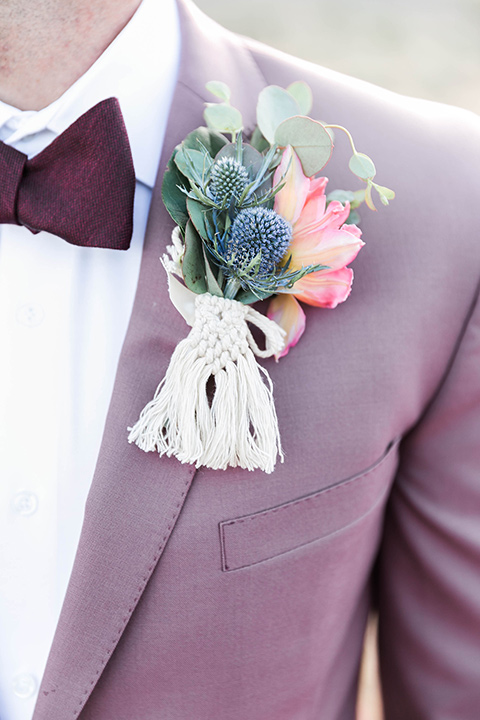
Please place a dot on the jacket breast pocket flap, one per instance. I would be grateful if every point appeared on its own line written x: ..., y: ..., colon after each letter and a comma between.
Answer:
x: 251, y: 539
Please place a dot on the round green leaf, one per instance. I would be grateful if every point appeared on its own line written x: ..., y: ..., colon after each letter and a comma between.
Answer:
x: 309, y: 139
x: 192, y: 163
x: 219, y: 89
x: 330, y: 131
x: 362, y: 166
x: 342, y: 196
x: 223, y: 118
x: 251, y: 158
x: 210, y: 139
x: 274, y: 106
x: 303, y: 95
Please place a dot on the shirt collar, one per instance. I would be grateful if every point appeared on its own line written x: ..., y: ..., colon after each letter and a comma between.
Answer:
x: 139, y: 68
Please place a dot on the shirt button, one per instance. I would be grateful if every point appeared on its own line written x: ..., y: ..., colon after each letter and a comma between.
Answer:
x: 25, y: 503
x: 24, y: 686
x: 30, y: 315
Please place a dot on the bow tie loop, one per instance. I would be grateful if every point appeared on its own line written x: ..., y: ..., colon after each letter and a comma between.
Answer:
x: 12, y: 165
x: 80, y: 187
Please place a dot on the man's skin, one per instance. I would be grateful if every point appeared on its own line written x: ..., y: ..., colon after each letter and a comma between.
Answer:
x: 46, y: 45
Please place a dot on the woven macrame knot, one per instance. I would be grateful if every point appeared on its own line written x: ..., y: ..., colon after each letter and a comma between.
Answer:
x: 220, y: 333
x: 238, y: 426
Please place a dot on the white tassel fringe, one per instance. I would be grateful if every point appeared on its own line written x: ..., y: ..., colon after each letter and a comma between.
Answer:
x: 239, y: 427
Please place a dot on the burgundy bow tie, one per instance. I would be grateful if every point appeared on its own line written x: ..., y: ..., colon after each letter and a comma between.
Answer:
x: 80, y: 187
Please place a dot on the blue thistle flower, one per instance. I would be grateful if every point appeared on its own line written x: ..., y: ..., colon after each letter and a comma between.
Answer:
x: 258, y: 232
x: 228, y: 179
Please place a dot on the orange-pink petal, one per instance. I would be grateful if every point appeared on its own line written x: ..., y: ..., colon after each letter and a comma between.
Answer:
x: 287, y: 313
x: 324, y: 289
x: 332, y: 248
x: 312, y: 214
x: 318, y: 185
x: 315, y: 219
x: 353, y: 229
x: 289, y: 201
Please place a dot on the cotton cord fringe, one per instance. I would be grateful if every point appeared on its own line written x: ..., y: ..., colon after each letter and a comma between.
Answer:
x: 239, y: 427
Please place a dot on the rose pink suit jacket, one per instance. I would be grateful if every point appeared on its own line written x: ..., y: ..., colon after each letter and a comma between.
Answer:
x: 243, y: 596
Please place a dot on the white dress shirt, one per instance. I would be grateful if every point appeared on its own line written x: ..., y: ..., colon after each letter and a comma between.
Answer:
x: 64, y: 312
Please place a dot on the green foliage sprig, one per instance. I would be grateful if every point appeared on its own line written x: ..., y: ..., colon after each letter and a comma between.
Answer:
x: 191, y: 185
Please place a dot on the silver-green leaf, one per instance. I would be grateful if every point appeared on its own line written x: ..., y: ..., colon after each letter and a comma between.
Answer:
x: 362, y: 166
x: 303, y: 95
x: 223, y: 118
x: 385, y: 193
x: 310, y: 140
x: 274, y: 106
x: 192, y: 163
x: 219, y: 89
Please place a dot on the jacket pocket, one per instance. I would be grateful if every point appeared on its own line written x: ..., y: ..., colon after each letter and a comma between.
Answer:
x: 251, y: 539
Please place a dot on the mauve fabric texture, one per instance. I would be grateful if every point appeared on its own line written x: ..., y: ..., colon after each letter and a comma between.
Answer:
x: 81, y: 187
x: 234, y: 595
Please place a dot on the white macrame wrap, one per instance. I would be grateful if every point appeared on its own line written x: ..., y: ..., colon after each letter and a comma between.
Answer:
x: 237, y: 426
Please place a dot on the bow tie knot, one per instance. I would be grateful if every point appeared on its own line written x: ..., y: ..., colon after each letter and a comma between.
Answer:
x: 81, y: 187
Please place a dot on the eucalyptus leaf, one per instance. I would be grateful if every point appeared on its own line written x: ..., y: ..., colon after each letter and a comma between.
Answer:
x: 358, y: 199
x: 258, y: 141
x: 193, y: 164
x: 385, y: 193
x: 223, y: 118
x: 362, y: 166
x: 342, y: 196
x: 219, y: 89
x: 355, y: 198
x: 174, y: 199
x: 274, y: 106
x: 309, y: 139
x: 196, y: 212
x: 302, y: 94
x: 193, y: 265
x: 252, y: 160
x: 210, y: 139
x: 330, y: 131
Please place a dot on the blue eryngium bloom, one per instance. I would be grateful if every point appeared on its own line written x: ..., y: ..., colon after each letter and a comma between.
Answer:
x: 258, y: 233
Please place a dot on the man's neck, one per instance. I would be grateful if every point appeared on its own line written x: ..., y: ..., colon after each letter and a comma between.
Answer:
x: 46, y: 45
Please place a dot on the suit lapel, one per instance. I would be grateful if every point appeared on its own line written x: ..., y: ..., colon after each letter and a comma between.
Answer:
x: 136, y: 497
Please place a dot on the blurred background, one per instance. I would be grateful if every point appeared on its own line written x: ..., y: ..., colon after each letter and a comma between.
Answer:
x: 423, y: 48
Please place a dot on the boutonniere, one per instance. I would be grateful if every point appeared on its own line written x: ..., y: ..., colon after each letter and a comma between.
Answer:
x: 253, y: 221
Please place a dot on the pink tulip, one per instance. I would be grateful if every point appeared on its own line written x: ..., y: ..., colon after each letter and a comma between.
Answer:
x: 320, y: 237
